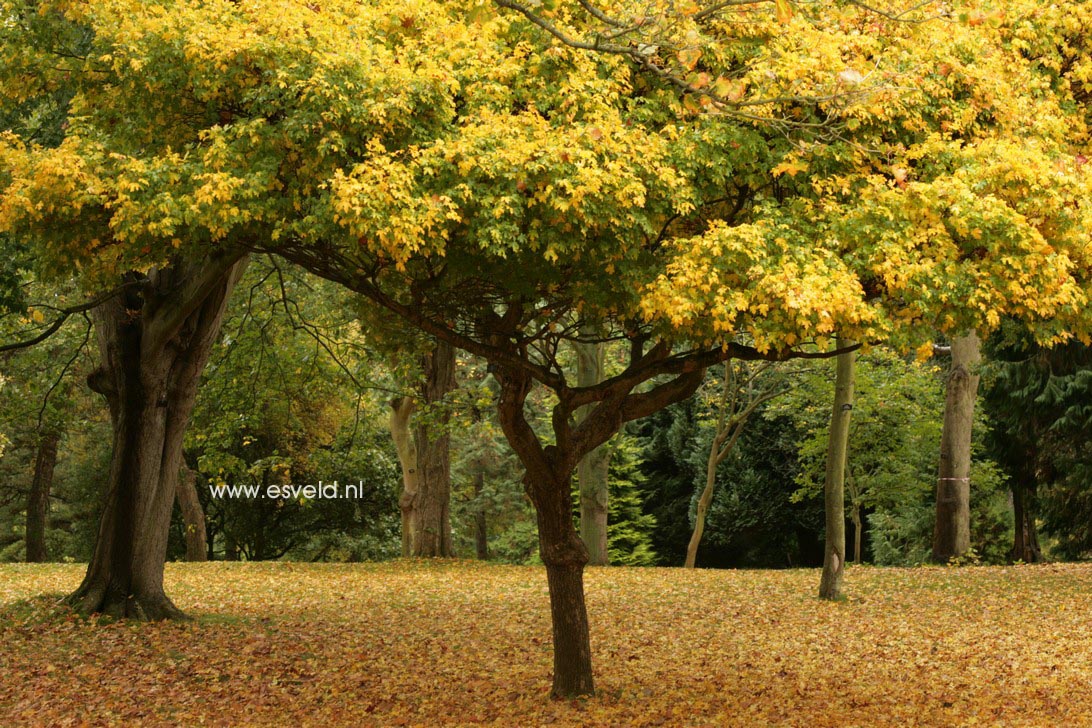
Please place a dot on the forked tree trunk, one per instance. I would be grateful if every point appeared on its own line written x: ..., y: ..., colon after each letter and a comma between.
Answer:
x: 38, y: 502
x: 548, y: 483
x: 432, y: 533
x: 154, y: 342
x: 952, y: 534
x: 834, y: 561
x: 401, y: 411
x: 193, y: 516
x: 593, y: 471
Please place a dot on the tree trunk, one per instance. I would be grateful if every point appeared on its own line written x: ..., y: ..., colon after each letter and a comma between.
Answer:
x: 193, y: 516
x: 952, y: 534
x: 704, y: 502
x: 38, y: 503
x: 1026, y: 539
x: 830, y: 585
x: 564, y: 554
x: 432, y: 535
x: 481, y: 532
x: 548, y: 483
x: 154, y: 340
x: 855, y: 512
x: 401, y: 411
x: 593, y: 471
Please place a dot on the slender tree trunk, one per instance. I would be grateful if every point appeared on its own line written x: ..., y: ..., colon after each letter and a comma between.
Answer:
x: 481, y: 532
x: 830, y: 585
x: 1026, y: 539
x: 593, y: 471
x: 855, y: 512
x: 154, y: 341
x: 952, y: 534
x: 38, y: 503
x: 193, y: 516
x: 401, y: 411
x: 704, y: 501
x: 432, y: 535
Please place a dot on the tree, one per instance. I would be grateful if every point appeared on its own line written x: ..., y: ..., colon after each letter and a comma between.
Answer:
x: 593, y: 471
x: 740, y: 396
x: 952, y: 537
x: 830, y: 585
x: 500, y: 193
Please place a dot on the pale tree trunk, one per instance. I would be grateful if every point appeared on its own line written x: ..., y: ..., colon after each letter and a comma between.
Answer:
x: 593, y: 471
x: 193, y: 516
x: 481, y: 532
x: 432, y: 532
x: 952, y: 535
x: 38, y: 502
x: 401, y: 411
x: 155, y: 340
x: 734, y: 409
x: 834, y: 561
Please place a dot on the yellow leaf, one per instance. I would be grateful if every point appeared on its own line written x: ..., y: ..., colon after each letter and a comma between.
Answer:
x: 784, y: 10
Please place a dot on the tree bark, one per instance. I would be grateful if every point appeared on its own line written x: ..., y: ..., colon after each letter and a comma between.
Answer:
x: 38, y: 502
x: 952, y: 534
x: 401, y: 411
x: 481, y: 529
x: 564, y: 555
x: 704, y: 501
x: 830, y: 585
x: 593, y: 471
x: 154, y: 340
x: 432, y: 534
x: 1025, y: 545
x: 193, y: 516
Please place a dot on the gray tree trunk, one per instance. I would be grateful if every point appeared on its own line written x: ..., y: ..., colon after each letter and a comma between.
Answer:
x: 193, y: 516
x: 38, y: 502
x: 593, y: 471
x: 401, y: 411
x: 432, y: 532
x: 154, y: 340
x: 952, y: 534
x: 834, y: 561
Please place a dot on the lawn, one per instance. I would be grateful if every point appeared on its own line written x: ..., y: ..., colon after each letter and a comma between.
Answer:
x: 463, y: 643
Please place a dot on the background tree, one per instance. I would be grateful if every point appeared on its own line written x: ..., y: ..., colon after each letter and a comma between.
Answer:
x: 952, y: 536
x: 834, y: 563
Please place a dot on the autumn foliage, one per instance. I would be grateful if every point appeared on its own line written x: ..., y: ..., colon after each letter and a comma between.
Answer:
x: 426, y: 644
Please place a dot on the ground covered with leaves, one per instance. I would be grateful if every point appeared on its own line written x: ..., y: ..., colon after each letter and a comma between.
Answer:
x: 462, y: 643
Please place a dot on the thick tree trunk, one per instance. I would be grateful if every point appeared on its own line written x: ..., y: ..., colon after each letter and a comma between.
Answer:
x: 1026, y: 538
x: 38, y: 503
x: 564, y: 554
x: 401, y: 411
x: 593, y: 471
x: 952, y: 534
x: 432, y: 535
x: 154, y: 341
x: 193, y: 516
x: 830, y: 585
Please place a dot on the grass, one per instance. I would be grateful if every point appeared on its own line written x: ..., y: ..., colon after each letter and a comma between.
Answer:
x: 463, y: 643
